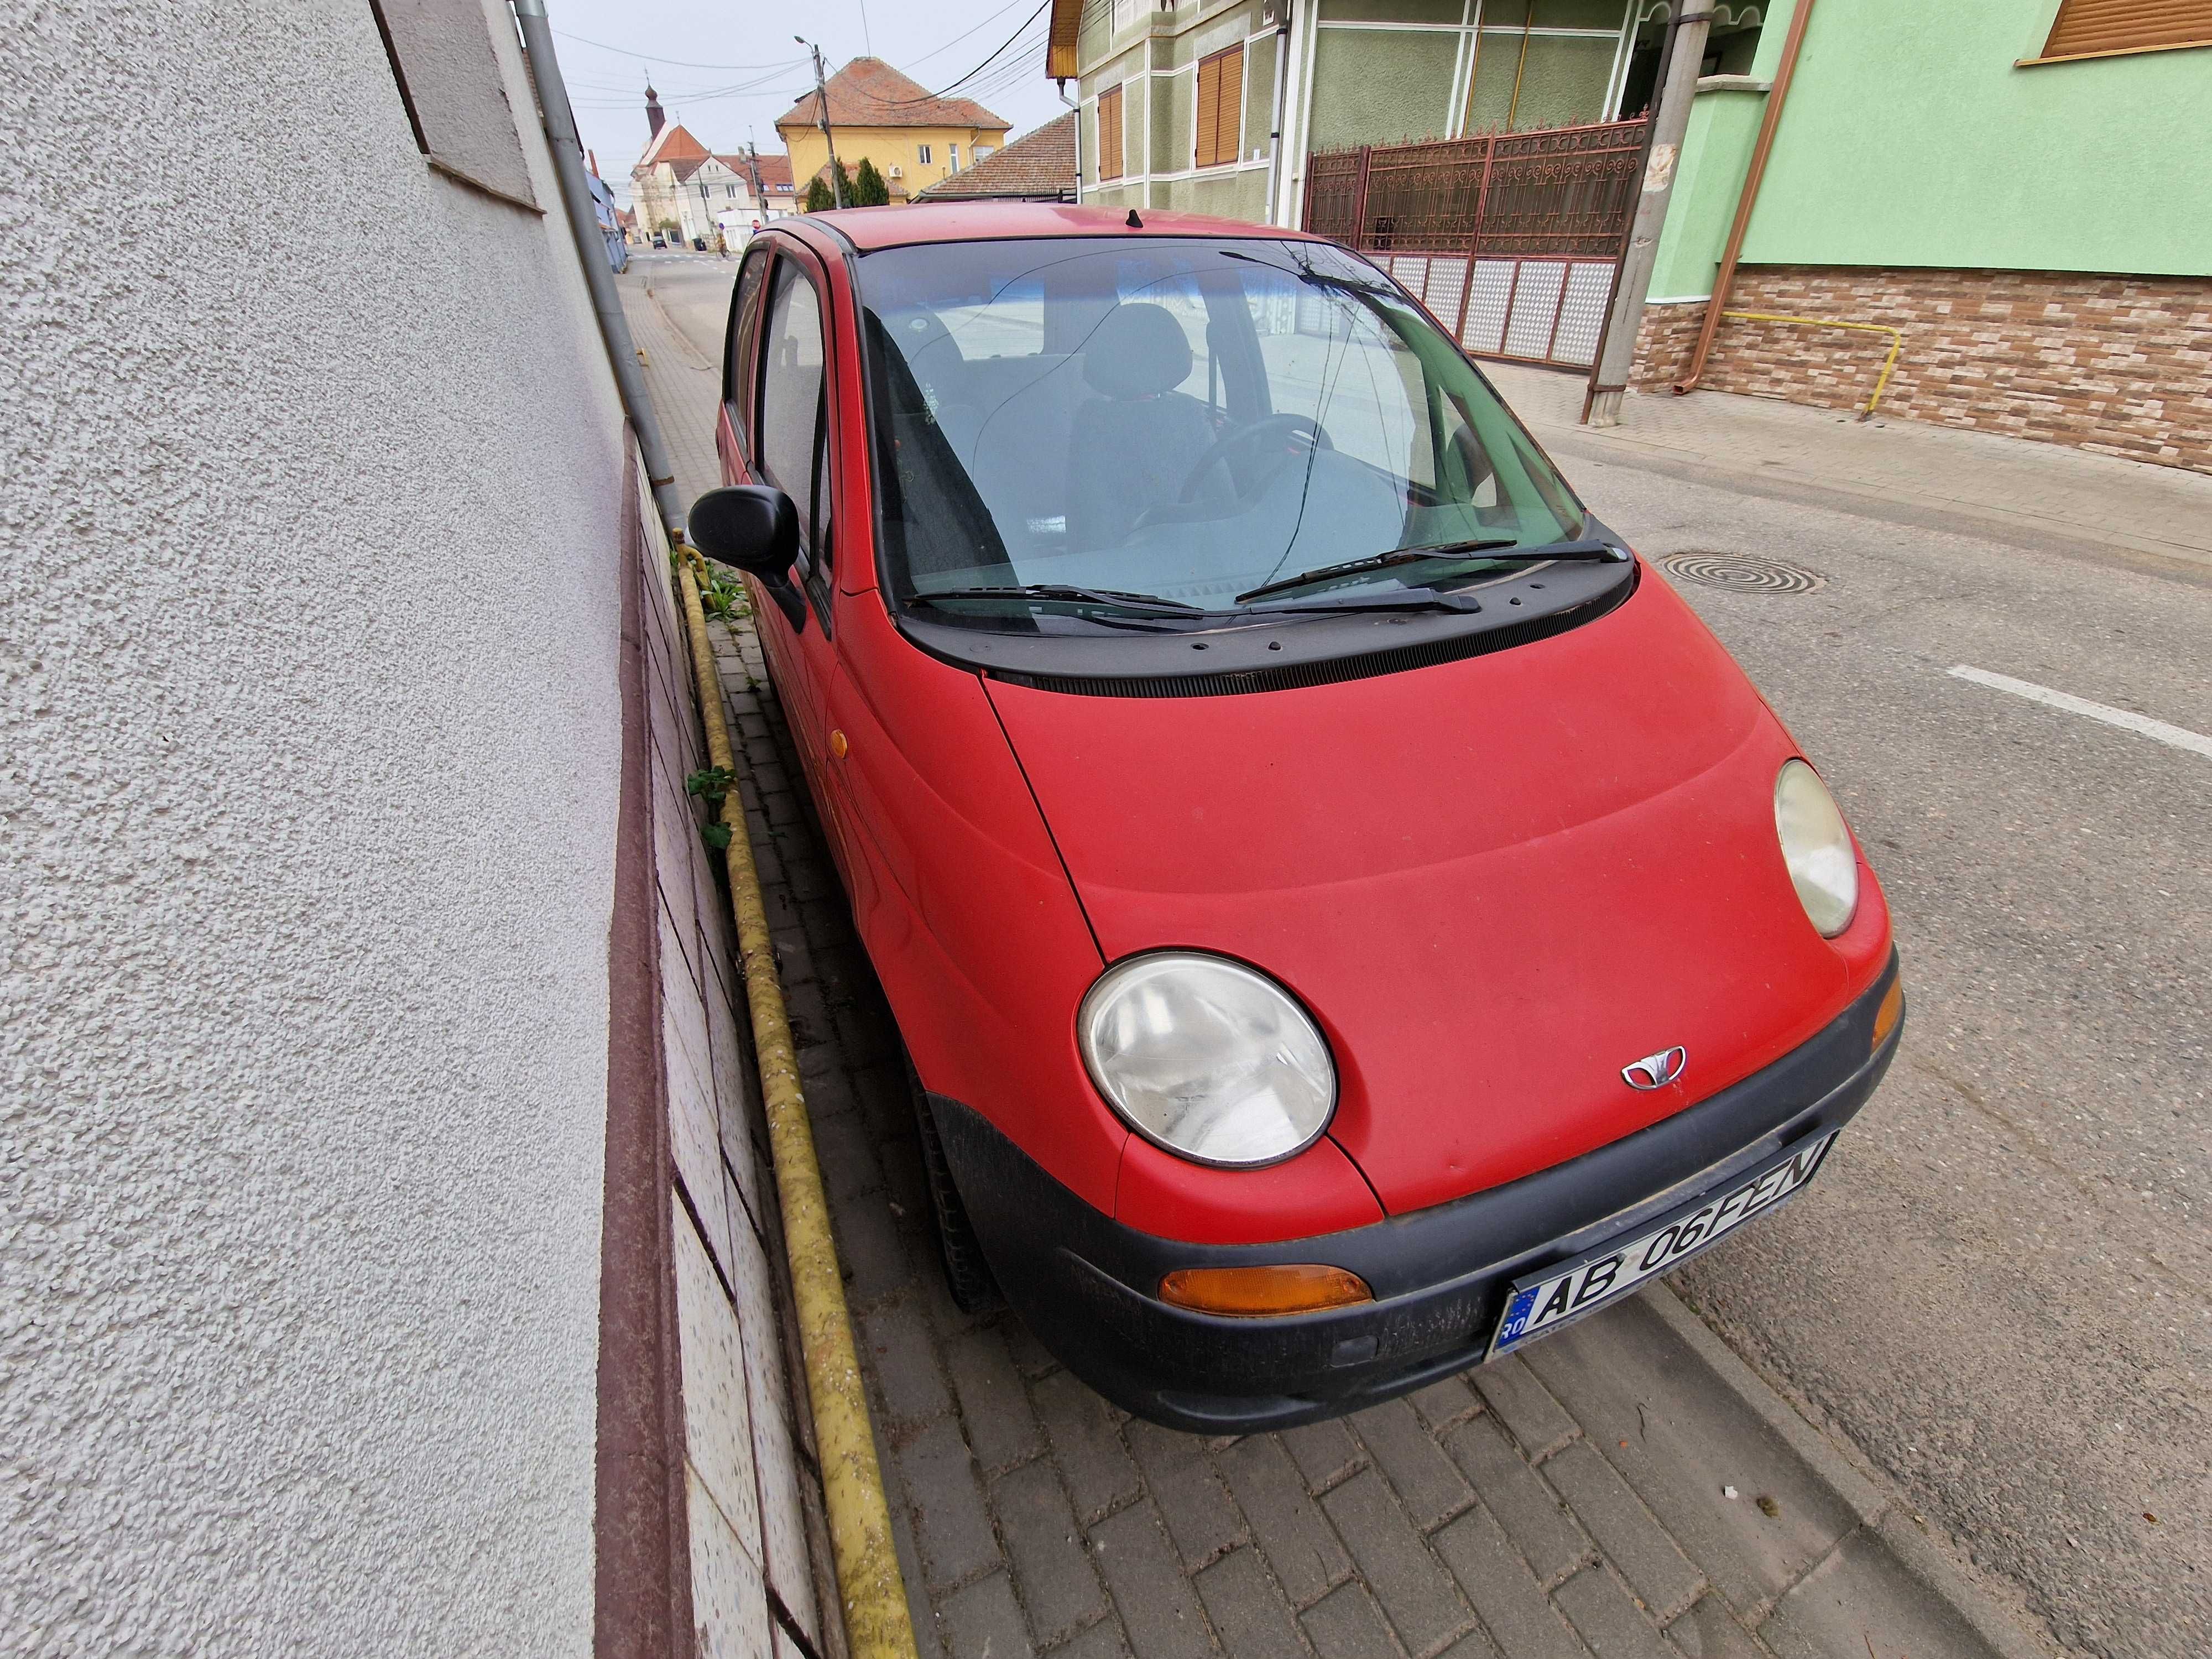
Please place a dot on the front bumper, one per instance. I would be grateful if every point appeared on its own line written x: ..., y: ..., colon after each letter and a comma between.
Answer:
x: 1085, y: 1283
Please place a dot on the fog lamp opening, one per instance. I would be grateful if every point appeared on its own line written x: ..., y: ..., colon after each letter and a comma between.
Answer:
x: 1262, y: 1292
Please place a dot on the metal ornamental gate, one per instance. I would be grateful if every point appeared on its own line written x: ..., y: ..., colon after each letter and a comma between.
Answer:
x: 1511, y: 239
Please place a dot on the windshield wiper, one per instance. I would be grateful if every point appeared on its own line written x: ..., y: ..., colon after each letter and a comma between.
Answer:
x: 1149, y: 603
x: 1502, y: 548
x: 1319, y: 278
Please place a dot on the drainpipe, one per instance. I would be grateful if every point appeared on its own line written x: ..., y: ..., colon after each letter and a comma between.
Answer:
x: 1724, y: 279
x: 1075, y: 107
x: 567, y: 147
x: 1669, y: 121
x: 1282, y: 88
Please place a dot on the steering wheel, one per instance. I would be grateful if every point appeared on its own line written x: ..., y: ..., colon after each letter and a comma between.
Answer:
x: 1270, y: 426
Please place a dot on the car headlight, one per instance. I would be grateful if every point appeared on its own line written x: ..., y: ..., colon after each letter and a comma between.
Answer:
x: 1817, y: 847
x: 1207, y: 1058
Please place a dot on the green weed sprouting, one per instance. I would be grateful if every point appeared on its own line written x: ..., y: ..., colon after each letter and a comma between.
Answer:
x: 717, y: 836
x: 711, y: 784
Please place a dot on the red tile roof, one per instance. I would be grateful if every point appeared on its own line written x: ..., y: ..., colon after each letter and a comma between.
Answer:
x: 774, y: 170
x: 673, y: 144
x: 869, y: 93
x: 1039, y: 166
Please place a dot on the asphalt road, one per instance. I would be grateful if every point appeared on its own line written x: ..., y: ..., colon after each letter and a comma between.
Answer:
x: 1996, y: 1290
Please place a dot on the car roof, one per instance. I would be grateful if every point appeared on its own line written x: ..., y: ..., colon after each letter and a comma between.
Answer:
x: 870, y: 228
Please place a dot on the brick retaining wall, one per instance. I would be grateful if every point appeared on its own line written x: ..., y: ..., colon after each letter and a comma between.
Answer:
x: 2121, y: 365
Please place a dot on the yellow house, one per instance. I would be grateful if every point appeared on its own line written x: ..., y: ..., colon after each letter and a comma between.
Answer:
x: 914, y: 140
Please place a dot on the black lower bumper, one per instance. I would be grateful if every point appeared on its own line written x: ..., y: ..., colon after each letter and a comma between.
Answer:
x: 1085, y: 1283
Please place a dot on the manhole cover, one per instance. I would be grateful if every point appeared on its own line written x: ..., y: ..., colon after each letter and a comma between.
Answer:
x: 1743, y: 573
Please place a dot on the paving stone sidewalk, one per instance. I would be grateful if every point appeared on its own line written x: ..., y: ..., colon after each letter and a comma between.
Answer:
x: 2036, y: 495
x: 1628, y: 1490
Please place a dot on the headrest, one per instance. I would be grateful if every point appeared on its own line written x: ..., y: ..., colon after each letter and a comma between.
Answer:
x: 1139, y: 351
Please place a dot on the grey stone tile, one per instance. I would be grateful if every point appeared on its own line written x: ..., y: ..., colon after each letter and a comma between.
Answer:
x: 1529, y: 1413
x: 1512, y: 1605
x: 919, y: 1612
x: 876, y: 1254
x: 1324, y: 1452
x: 1862, y: 1599
x: 1538, y: 1522
x: 897, y: 1346
x: 1300, y: 1545
x: 1630, y: 1538
x: 1606, y: 1617
x: 1103, y: 1640
x: 1002, y: 1428
x: 1432, y: 1490
x: 846, y: 1153
x: 1417, y: 1594
x: 1031, y: 1358
x: 1443, y: 1404
x: 1051, y: 1563
x: 1201, y: 1518
x: 1160, y: 1610
x: 1087, y: 1444
x: 983, y: 1619
x: 952, y: 1528
x: 1248, y: 1612
x: 1710, y: 1631
x: 1345, y: 1624
x: 1628, y: 1377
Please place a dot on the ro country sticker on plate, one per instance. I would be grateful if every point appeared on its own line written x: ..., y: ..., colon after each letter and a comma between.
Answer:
x: 1535, y: 1306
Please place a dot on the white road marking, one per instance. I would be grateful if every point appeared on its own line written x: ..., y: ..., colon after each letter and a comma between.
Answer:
x: 2142, y: 725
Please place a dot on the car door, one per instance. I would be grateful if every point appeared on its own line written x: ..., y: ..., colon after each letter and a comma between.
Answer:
x: 777, y: 430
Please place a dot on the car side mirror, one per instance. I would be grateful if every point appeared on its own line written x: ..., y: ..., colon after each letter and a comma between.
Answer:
x: 752, y: 527
x: 755, y: 528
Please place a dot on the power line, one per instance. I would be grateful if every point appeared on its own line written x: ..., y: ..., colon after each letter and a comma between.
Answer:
x: 896, y: 103
x: 938, y: 52
x: 673, y: 62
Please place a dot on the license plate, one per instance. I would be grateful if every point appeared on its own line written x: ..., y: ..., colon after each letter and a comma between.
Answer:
x: 1537, y: 1306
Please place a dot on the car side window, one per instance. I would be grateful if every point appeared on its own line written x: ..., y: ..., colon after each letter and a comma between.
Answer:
x: 793, y: 446
x: 738, y: 343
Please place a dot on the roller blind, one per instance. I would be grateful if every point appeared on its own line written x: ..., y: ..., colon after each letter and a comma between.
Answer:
x: 1110, y: 133
x: 1220, y: 106
x: 2083, y: 27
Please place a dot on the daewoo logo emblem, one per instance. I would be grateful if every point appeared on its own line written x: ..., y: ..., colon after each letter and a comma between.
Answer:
x: 1655, y: 1070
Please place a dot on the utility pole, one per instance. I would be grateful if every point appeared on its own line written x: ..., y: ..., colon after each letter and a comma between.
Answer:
x: 1669, y: 121
x: 821, y: 108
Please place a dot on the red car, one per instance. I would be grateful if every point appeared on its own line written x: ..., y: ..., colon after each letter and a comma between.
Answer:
x: 1346, y: 914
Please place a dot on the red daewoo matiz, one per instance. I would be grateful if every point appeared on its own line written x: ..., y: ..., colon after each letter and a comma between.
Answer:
x: 1347, y: 916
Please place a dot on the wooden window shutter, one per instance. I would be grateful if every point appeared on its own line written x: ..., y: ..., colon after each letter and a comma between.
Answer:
x: 2088, y: 27
x: 1229, y: 91
x: 1209, y: 108
x: 1110, y: 133
x: 1220, y: 107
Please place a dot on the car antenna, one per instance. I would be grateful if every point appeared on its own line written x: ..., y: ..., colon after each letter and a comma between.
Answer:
x: 1133, y: 221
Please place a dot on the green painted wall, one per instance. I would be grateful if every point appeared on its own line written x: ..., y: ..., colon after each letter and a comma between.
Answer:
x: 1910, y: 139
x: 1377, y: 86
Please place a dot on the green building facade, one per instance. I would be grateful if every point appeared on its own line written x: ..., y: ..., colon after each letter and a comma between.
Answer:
x: 1353, y: 72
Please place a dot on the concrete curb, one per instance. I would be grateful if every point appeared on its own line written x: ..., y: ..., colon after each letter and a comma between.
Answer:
x: 1884, y: 1522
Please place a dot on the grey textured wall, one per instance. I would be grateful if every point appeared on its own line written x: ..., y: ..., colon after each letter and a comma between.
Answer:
x: 307, y: 767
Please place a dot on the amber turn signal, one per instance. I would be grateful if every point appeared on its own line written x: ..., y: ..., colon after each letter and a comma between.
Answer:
x: 1893, y: 1006
x: 1293, y: 1287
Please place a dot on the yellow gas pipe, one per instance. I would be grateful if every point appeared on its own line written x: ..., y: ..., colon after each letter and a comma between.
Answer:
x: 876, y: 1622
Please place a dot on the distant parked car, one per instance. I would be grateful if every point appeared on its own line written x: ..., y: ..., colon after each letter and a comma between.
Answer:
x: 659, y: 239
x: 699, y: 243
x: 1348, y: 918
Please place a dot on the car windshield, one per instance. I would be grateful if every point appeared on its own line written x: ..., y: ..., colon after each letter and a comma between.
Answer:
x: 1188, y: 419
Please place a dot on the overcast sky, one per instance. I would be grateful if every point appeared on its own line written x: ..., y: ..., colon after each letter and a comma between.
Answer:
x: 726, y: 68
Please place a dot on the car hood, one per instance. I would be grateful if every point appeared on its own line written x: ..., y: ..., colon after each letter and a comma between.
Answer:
x: 1496, y: 883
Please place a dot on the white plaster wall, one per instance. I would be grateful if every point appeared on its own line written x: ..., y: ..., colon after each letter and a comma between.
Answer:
x: 309, y: 751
